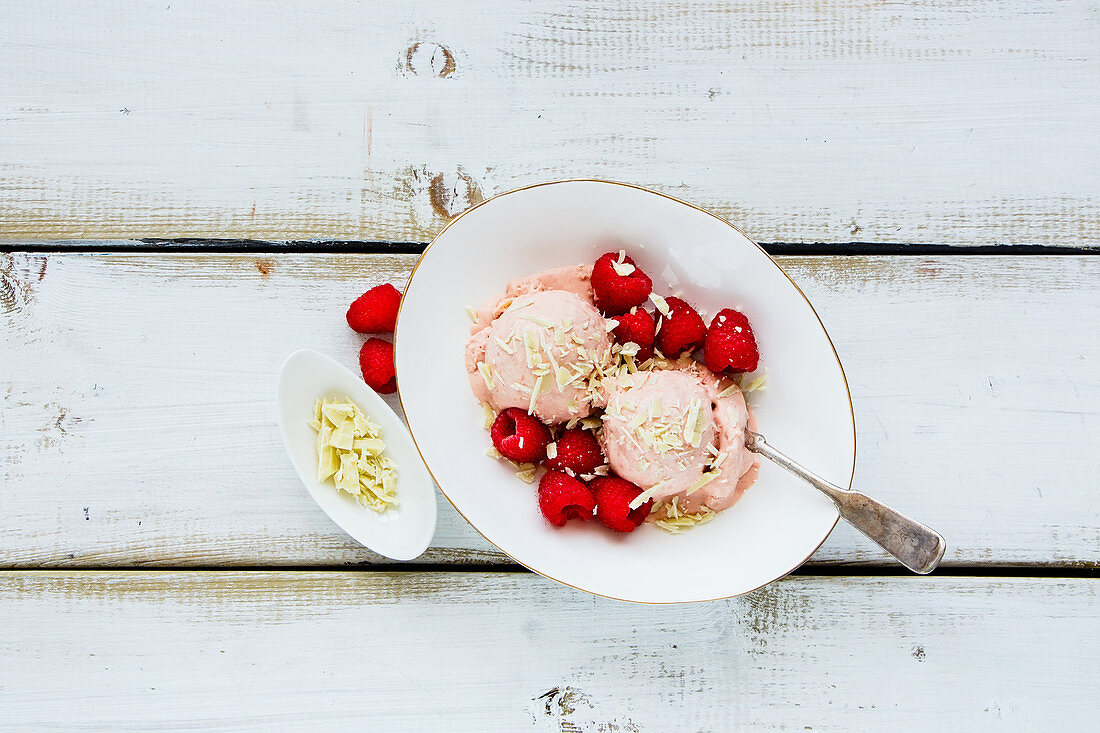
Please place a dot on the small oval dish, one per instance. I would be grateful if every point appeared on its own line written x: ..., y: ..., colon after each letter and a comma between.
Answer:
x: 400, y: 533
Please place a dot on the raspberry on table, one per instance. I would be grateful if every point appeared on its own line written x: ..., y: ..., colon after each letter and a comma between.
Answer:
x: 375, y: 311
x: 617, y: 293
x: 519, y: 436
x: 562, y: 497
x: 576, y: 450
x: 636, y: 327
x: 682, y: 330
x: 376, y: 363
x: 730, y: 343
x: 613, y: 497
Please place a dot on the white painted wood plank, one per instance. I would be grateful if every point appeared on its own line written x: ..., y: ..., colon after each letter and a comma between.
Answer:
x: 137, y: 423
x: 505, y: 652
x: 933, y: 121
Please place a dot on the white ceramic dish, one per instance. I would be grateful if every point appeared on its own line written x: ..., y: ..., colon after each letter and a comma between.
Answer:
x: 400, y: 533
x: 806, y: 408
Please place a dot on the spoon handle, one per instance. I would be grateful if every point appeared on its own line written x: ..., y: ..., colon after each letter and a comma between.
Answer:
x: 916, y: 546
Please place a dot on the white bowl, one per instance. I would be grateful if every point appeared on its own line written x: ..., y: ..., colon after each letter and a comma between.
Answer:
x: 806, y: 409
x: 400, y: 533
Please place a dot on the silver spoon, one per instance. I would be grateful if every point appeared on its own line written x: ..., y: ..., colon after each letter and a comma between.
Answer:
x: 916, y: 546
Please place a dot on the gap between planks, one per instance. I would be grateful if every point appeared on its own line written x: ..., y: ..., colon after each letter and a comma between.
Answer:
x: 1086, y: 571
x: 260, y: 246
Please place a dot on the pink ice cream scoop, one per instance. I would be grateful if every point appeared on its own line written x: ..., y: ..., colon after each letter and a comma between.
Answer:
x: 543, y: 351
x: 656, y: 429
x: 679, y: 432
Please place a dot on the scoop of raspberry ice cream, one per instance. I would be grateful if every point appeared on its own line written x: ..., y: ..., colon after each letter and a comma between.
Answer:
x: 656, y: 429
x: 664, y: 429
x: 540, y: 353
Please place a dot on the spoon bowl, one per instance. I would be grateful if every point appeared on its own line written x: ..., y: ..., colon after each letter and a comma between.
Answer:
x: 402, y: 532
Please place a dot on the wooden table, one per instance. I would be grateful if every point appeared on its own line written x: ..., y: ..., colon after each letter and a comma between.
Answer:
x: 190, y: 191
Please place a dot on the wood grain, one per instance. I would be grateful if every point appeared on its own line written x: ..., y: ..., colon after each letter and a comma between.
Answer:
x: 938, y: 121
x: 137, y: 424
x: 175, y: 650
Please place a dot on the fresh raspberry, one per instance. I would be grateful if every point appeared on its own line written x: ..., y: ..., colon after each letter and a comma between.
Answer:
x: 730, y: 343
x: 519, y: 436
x: 682, y: 330
x: 375, y: 311
x: 578, y: 451
x: 563, y: 497
x: 376, y: 361
x: 636, y: 327
x: 613, y: 497
x: 615, y: 293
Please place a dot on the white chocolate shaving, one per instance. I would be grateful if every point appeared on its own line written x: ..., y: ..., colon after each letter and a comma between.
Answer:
x: 486, y: 374
x: 646, y: 495
x: 531, y: 347
x: 488, y: 415
x: 544, y: 322
x: 690, y: 434
x: 759, y: 383
x: 625, y: 269
x: 535, y: 392
x: 675, y: 522
x: 732, y: 389
x: 660, y: 304
x: 564, y: 378
x: 705, y: 479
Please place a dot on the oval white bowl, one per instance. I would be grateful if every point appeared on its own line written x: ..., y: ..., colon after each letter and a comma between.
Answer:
x: 400, y: 533
x: 806, y: 409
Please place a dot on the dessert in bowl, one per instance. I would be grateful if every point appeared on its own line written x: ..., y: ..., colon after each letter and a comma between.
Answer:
x: 576, y: 350
x: 526, y: 257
